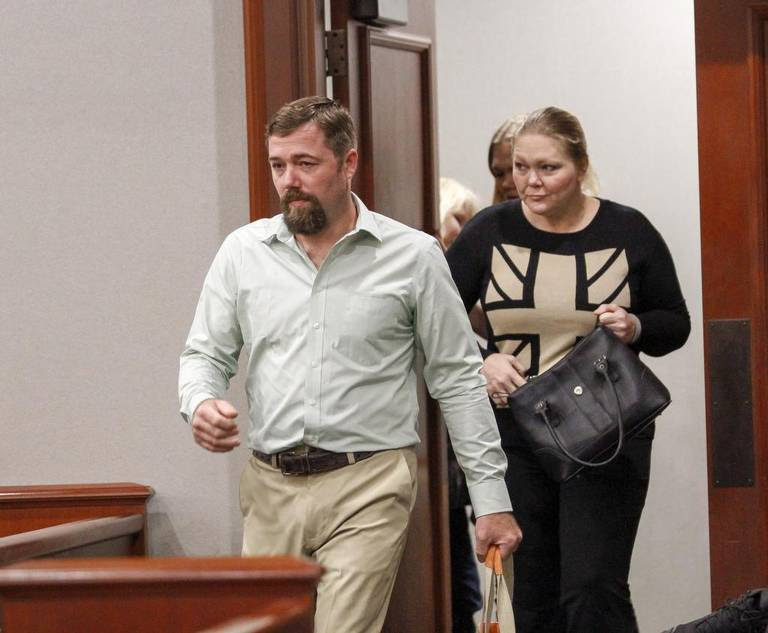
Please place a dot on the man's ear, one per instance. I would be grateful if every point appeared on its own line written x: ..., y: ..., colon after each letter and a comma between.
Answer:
x: 350, y: 163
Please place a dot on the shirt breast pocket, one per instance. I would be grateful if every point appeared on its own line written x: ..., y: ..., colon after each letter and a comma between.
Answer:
x: 370, y: 316
x: 372, y: 327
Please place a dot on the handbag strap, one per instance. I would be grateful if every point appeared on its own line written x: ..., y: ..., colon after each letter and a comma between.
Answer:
x: 493, y: 563
x: 601, y: 366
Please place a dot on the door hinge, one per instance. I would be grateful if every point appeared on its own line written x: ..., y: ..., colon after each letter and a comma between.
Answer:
x: 336, y: 62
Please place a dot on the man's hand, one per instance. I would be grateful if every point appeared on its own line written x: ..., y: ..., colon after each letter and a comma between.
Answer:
x: 503, y: 374
x: 213, y: 426
x: 500, y: 529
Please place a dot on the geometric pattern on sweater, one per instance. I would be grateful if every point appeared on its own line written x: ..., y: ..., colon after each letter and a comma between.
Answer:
x: 539, y: 304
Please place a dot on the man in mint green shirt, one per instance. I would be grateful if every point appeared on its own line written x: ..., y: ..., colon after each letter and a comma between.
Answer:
x: 331, y: 303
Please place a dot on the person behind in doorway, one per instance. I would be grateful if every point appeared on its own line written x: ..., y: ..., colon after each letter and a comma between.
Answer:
x: 458, y: 205
x: 546, y: 267
x: 500, y: 159
x: 330, y: 303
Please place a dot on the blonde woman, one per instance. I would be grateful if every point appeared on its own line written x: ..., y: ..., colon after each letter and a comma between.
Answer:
x: 545, y: 267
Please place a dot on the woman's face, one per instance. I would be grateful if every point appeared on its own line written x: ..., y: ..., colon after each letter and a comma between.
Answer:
x: 501, y: 168
x: 547, y: 179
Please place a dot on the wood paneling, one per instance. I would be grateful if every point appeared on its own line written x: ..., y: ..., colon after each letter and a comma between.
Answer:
x: 256, y: 108
x: 396, y: 122
x: 125, y: 595
x: 731, y: 79
x: 289, y: 35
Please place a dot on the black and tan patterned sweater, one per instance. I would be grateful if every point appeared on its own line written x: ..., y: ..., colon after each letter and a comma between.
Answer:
x: 539, y: 289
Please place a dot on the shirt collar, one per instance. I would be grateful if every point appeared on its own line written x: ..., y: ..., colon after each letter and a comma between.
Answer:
x: 366, y: 221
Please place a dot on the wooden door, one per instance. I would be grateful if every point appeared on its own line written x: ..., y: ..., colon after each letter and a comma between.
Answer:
x: 731, y: 51
x: 284, y: 60
x: 389, y: 88
x: 386, y: 79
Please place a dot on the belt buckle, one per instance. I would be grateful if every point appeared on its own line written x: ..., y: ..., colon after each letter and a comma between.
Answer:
x: 295, y: 459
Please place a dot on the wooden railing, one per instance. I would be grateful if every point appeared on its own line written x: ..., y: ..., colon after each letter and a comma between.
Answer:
x: 156, y: 595
x: 113, y: 536
x: 27, y: 508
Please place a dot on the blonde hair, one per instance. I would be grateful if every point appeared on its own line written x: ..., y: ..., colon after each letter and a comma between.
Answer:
x: 564, y: 127
x: 456, y: 197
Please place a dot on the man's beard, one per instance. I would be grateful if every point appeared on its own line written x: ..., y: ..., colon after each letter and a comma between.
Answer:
x: 305, y: 219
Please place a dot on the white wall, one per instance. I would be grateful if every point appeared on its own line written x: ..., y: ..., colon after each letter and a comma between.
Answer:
x: 627, y: 70
x: 122, y: 166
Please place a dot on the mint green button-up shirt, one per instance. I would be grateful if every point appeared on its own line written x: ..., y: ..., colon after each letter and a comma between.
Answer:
x: 330, y: 353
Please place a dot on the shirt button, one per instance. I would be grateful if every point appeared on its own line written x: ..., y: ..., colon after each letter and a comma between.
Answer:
x: 313, y: 402
x: 314, y: 363
x: 316, y: 325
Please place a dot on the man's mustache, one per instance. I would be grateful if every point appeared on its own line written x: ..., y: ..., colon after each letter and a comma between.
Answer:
x: 293, y: 195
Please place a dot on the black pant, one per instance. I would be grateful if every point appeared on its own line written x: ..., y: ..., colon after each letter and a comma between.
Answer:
x: 465, y: 580
x: 572, y: 567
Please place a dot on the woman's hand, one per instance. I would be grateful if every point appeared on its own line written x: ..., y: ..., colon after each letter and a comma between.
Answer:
x: 503, y: 374
x: 618, y: 320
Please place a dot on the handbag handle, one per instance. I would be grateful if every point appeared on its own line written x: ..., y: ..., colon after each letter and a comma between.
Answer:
x: 493, y: 562
x: 601, y: 366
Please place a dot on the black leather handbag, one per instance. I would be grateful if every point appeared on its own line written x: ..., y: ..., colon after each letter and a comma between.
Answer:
x: 579, y: 412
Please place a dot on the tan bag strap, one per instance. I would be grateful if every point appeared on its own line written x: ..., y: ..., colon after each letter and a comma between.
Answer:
x: 489, y: 620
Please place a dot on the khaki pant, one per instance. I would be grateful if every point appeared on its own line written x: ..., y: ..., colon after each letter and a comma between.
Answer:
x: 352, y: 521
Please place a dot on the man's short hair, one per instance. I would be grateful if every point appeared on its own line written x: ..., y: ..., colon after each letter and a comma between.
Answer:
x: 331, y: 117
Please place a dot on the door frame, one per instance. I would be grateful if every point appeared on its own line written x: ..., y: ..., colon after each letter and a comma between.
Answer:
x: 731, y: 54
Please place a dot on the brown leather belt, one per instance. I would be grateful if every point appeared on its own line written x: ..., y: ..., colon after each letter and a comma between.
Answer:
x: 309, y: 460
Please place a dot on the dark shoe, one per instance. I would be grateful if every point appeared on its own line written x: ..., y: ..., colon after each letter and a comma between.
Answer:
x: 747, y: 614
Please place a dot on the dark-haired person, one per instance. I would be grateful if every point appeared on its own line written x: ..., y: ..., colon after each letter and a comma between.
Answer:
x: 330, y: 302
x: 546, y: 267
x: 500, y: 159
